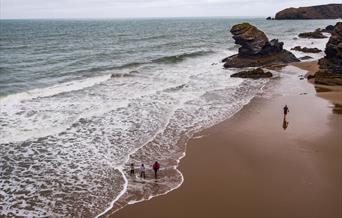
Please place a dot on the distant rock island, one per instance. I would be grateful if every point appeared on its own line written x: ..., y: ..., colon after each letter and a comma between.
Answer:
x: 329, y: 11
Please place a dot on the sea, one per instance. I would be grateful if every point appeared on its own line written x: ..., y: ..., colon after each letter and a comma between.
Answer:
x: 80, y: 100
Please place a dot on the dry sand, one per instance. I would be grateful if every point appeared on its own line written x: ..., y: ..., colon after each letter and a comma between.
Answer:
x: 249, y: 166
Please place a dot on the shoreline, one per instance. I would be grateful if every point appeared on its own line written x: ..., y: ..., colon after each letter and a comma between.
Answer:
x: 176, y: 196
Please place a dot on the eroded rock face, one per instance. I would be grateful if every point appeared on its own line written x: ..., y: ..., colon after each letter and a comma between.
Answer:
x: 329, y: 11
x: 253, y: 74
x: 330, y: 72
x: 306, y: 50
x: 256, y: 50
x: 251, y: 39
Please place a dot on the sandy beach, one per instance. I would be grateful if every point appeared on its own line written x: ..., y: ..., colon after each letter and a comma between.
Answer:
x: 251, y: 166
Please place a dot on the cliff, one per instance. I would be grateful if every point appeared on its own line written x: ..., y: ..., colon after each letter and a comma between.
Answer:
x: 330, y: 72
x: 329, y: 11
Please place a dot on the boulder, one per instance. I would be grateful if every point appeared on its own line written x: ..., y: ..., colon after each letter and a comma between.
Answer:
x: 328, y: 29
x: 253, y: 74
x: 330, y: 67
x: 306, y: 50
x: 305, y: 58
x: 256, y: 50
x: 317, y: 34
x: 328, y: 11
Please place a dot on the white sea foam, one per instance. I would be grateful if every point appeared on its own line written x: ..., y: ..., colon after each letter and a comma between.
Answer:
x: 53, y: 90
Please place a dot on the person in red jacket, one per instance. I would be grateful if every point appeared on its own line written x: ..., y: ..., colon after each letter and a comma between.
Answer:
x: 156, y: 167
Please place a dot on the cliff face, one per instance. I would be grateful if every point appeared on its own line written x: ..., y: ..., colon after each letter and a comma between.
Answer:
x: 329, y: 11
x: 330, y: 72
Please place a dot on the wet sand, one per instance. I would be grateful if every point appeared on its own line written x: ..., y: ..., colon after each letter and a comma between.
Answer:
x: 250, y: 166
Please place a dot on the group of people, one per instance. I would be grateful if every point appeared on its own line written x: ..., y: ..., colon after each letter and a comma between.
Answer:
x: 142, y: 169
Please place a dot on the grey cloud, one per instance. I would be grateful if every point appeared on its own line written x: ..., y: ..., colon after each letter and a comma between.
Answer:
x: 144, y: 8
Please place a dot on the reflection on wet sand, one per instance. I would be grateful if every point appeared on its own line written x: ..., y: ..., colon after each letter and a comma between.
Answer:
x: 285, y: 123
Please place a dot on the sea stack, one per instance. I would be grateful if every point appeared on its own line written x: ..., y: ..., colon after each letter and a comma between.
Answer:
x: 330, y: 67
x: 256, y: 50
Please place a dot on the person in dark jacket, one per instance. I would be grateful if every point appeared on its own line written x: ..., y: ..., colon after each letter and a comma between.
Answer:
x: 156, y: 167
x: 132, y: 169
x: 286, y: 110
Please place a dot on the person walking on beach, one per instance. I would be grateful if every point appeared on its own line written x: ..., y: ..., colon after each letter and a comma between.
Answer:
x: 142, y: 171
x: 156, y: 167
x: 286, y: 110
x: 132, y: 169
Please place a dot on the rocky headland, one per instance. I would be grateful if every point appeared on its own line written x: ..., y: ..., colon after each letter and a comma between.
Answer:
x: 329, y: 11
x: 256, y: 50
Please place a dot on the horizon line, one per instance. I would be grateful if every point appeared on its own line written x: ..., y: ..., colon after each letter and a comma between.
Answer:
x: 120, y: 18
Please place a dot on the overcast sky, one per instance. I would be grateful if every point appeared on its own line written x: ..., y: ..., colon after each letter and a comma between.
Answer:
x: 145, y: 8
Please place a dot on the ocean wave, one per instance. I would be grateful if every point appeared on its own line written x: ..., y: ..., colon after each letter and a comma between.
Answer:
x: 131, y: 65
x: 180, y: 57
x: 122, y: 75
x: 54, y: 90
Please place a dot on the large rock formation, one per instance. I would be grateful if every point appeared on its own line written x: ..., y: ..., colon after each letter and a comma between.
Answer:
x: 256, y: 50
x: 329, y: 11
x: 330, y: 72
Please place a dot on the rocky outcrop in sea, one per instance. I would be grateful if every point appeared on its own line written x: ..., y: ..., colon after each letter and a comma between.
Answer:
x: 306, y: 50
x: 317, y: 34
x: 330, y: 67
x: 253, y: 74
x: 329, y: 11
x: 256, y: 50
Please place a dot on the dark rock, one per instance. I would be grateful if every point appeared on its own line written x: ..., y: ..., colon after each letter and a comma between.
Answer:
x: 269, y: 18
x: 305, y: 58
x: 253, y: 74
x: 324, y: 77
x: 330, y: 72
x: 256, y: 50
x: 329, y: 11
x: 306, y: 50
x: 311, y: 76
x: 251, y: 39
x: 328, y: 29
x: 317, y: 34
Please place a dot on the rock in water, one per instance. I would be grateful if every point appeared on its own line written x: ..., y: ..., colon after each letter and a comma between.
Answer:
x: 329, y: 11
x: 305, y: 58
x: 330, y: 72
x: 256, y: 50
x: 317, y: 34
x: 306, y: 50
x: 253, y: 74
